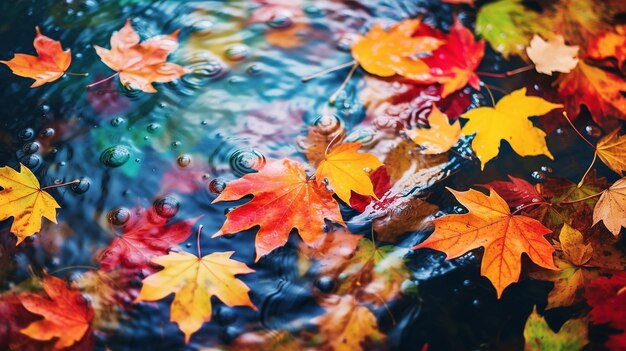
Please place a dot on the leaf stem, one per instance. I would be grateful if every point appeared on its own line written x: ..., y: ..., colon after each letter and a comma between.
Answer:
x: 75, y: 267
x: 576, y: 130
x: 77, y: 74
x: 343, y: 85
x: 103, y: 80
x: 529, y: 205
x: 581, y: 199
x: 506, y: 74
x: 493, y: 101
x: 329, y: 70
x: 198, y: 240
x: 593, y: 161
x: 332, y: 141
x: 62, y: 184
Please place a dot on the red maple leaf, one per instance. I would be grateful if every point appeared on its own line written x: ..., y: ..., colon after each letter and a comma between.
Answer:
x: 382, y: 183
x: 517, y: 192
x: 607, y: 298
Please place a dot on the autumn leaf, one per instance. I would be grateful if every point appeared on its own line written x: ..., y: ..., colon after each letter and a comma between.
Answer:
x: 346, y: 325
x: 319, y: 135
x: 440, y: 137
x: 266, y: 339
x: 194, y: 280
x: 107, y: 292
x: 611, y: 207
x: 600, y: 90
x: 539, y: 336
x: 23, y: 199
x: 517, y: 192
x: 508, y: 26
x: 607, y: 300
x: 284, y: 198
x: 331, y: 251
x: 387, y: 53
x: 49, y: 65
x: 144, y: 237
x: 490, y: 224
x: 610, y: 44
x: 611, y: 149
x: 552, y: 55
x: 141, y: 64
x: 381, y: 183
x: 508, y: 120
x: 348, y: 171
x: 66, y: 314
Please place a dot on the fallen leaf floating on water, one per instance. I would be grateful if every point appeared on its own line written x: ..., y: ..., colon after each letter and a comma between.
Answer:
x: 194, y: 280
x: 490, y: 224
x: 508, y: 120
x: 66, y: 314
x: 611, y: 150
x: 610, y: 44
x: 516, y: 193
x: 347, y: 170
x: 552, y: 55
x: 387, y: 53
x: 381, y: 183
x: 284, y: 198
x: 539, y: 336
x: 607, y: 299
x: 144, y: 237
x: 23, y: 199
x: 440, y: 137
x: 49, y: 65
x: 611, y: 207
x: 141, y: 64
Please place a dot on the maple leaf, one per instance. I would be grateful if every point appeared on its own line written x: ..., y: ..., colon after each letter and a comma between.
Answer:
x: 348, y: 171
x: 440, y: 137
x: 552, y: 55
x: 610, y: 44
x: 453, y: 63
x: 508, y: 120
x: 347, y: 325
x: 107, y: 291
x: 387, y: 53
x: 284, y: 198
x: 15, y: 318
x: 607, y: 300
x: 599, y: 90
x: 23, y: 199
x: 611, y: 149
x: 516, y: 193
x: 194, y: 280
x: 50, y: 64
x: 141, y: 64
x: 381, y: 183
x: 490, y: 224
x: 539, y: 336
x: 145, y: 237
x: 508, y: 26
x: 319, y: 135
x: 331, y: 251
x: 611, y: 207
x: 67, y: 315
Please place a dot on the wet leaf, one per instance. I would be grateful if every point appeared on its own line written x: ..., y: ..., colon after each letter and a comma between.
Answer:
x: 552, y: 55
x: 607, y: 300
x: 540, y: 337
x: 66, y: 314
x: 194, y: 280
x: 320, y: 135
x: 610, y: 44
x: 347, y: 170
x: 49, y: 65
x: 508, y: 120
x: 611, y: 207
x: 440, y: 137
x: 23, y: 199
x: 284, y: 198
x: 273, y: 340
x: 389, y: 52
x: 381, y: 183
x: 490, y: 224
x: 141, y: 64
x: 517, y: 192
x: 611, y: 150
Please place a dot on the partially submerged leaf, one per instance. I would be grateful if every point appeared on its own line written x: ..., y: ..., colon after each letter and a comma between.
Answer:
x: 552, y: 55
x: 611, y: 150
x: 611, y: 207
x: 23, y: 199
x: 610, y: 44
x: 540, y: 337
x: 441, y: 135
x: 517, y: 192
x: 194, y: 280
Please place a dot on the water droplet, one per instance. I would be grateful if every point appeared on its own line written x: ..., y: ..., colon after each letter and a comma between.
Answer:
x: 325, y: 284
x: 237, y: 52
x: 216, y: 186
x: 203, y: 27
x: 546, y: 169
x: 281, y: 19
x: 183, y: 160
x: 31, y: 148
x: 46, y: 133
x: 204, y: 122
x: 167, y: 206
x: 313, y: 11
x: 117, y: 121
x: 153, y: 128
x: 82, y: 186
x: 31, y: 161
x: 346, y: 40
x: 476, y: 303
x: 119, y: 216
x: 228, y: 210
x: 560, y: 131
x: 176, y: 144
x: 593, y: 131
x: 244, y: 161
x: 467, y: 283
x: 539, y: 176
x: 115, y: 156
x: 188, y: 245
x: 62, y: 164
x: 26, y: 134
x: 458, y: 209
x: 45, y: 109
x: 254, y: 69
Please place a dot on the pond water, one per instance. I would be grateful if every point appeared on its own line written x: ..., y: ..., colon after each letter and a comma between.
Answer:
x: 243, y: 103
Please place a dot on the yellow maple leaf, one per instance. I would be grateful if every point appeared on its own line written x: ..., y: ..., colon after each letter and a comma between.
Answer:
x: 508, y: 120
x: 440, y: 137
x: 23, y: 199
x: 347, y: 170
x: 195, y: 280
x: 611, y: 149
x: 552, y: 55
x: 611, y: 207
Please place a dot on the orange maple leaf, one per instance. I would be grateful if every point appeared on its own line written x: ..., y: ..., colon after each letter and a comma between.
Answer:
x: 50, y: 64
x: 610, y: 44
x: 490, y: 224
x: 141, y: 64
x: 67, y: 315
x: 284, y: 198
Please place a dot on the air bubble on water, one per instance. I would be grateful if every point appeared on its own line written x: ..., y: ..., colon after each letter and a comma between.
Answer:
x: 62, y: 164
x: 82, y: 186
x: 117, y: 121
x: 31, y: 161
x: 539, y: 176
x: 237, y: 52
x: 26, y: 134
x: 281, y: 19
x: 183, y: 160
x: 167, y: 206
x: 254, y: 69
x: 176, y: 144
x: 119, y: 216
x: 313, y: 11
x: 31, y: 148
x: 325, y: 284
x: 153, y: 127
x: 204, y: 122
x: 47, y: 133
x: 216, y: 186
x: 593, y: 131
x: 115, y: 156
x: 546, y: 169
x: 203, y: 27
